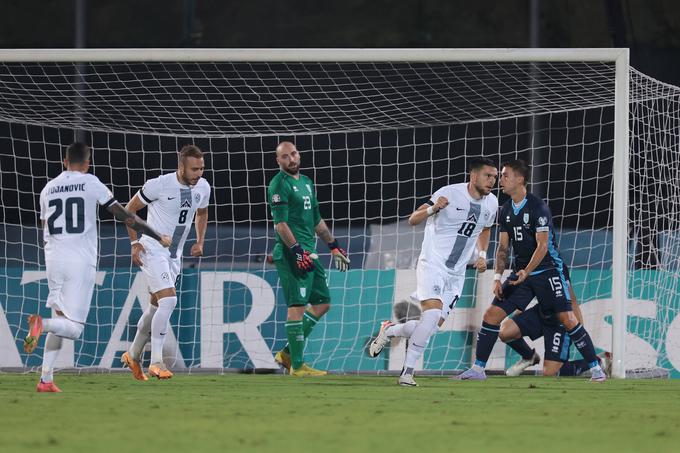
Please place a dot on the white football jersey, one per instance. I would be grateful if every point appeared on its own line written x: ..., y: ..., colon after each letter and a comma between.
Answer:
x: 68, y: 206
x: 451, y: 234
x: 172, y: 207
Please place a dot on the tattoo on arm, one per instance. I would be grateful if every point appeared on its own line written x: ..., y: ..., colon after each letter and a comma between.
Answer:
x: 132, y: 221
x: 323, y: 232
x: 501, y: 258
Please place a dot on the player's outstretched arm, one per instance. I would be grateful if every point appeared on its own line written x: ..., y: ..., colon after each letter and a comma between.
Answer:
x: 340, y: 257
x: 501, y: 263
x: 303, y: 258
x: 201, y: 223
x: 425, y: 211
x: 132, y: 221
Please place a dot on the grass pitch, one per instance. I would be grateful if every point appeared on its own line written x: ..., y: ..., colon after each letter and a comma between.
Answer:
x: 277, y: 413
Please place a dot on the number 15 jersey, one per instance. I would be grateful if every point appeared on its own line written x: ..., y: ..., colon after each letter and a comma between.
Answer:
x: 172, y: 207
x: 451, y: 234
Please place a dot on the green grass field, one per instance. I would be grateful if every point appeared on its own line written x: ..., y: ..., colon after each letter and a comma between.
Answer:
x: 197, y: 413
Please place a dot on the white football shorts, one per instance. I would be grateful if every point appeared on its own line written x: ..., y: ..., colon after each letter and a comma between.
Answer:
x: 71, y: 284
x: 160, y: 269
x: 436, y: 283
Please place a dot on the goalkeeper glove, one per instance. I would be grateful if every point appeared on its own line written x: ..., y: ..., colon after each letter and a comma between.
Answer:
x: 303, y: 258
x: 339, y: 256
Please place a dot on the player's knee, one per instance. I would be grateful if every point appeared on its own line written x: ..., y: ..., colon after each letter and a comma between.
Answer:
x: 72, y: 329
x: 509, y: 331
x: 494, y: 315
x: 549, y: 371
x: 169, y: 302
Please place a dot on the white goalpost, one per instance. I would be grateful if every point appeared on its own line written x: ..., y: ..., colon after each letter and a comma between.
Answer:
x: 379, y: 131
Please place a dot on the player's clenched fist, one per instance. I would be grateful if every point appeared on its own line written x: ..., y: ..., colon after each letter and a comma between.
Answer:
x: 166, y: 241
x: 339, y: 256
x: 440, y: 204
x: 304, y: 260
x: 197, y: 249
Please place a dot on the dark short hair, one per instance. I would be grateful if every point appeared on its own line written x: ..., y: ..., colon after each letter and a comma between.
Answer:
x: 521, y: 168
x: 77, y: 153
x: 479, y: 162
x: 190, y: 151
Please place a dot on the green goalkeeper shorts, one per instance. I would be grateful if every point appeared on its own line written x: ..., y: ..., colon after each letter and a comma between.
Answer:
x: 302, y: 288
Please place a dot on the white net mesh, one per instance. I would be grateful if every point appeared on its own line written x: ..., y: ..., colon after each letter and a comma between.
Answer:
x: 377, y: 139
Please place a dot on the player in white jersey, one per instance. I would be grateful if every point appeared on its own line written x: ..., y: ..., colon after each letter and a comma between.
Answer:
x: 172, y: 201
x: 68, y: 209
x: 459, y: 218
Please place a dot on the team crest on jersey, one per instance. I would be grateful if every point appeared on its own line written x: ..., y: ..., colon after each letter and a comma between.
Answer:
x: 295, y: 188
x: 472, y: 218
x: 186, y: 204
x: 507, y: 218
x: 526, y: 217
x: 165, y: 276
x: 436, y: 289
x: 542, y: 221
x: 276, y: 198
x: 197, y: 197
x: 486, y: 215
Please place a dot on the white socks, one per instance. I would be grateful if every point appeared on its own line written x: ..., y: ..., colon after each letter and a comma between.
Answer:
x: 63, y: 327
x: 426, y: 327
x: 143, y: 332
x: 56, y: 328
x: 404, y: 330
x: 159, y: 327
x: 52, y: 347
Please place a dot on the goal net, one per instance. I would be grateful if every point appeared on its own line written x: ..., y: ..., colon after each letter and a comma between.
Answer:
x: 378, y: 135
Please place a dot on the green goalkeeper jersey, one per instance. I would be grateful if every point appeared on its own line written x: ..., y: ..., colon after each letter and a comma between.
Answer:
x: 294, y: 201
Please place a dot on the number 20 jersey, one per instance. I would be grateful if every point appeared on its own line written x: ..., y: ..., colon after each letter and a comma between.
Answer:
x: 68, y: 207
x: 172, y: 207
x: 451, y: 234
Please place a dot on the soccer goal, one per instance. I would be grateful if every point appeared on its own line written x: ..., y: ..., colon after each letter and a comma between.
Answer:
x: 379, y: 131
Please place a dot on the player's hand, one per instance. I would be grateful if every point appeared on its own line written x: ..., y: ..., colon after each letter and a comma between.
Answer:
x: 166, y: 241
x: 498, y: 289
x: 137, y: 251
x: 197, y: 249
x: 441, y: 203
x: 521, y: 276
x: 339, y: 256
x: 304, y: 260
x: 480, y: 265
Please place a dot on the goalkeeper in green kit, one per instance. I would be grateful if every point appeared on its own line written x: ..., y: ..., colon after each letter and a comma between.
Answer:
x: 295, y: 211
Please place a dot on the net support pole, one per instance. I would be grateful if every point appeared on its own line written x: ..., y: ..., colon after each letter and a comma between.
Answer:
x: 620, y: 233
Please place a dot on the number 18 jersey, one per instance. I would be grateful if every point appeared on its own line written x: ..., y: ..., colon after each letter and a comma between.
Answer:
x: 68, y: 207
x: 172, y: 207
x: 451, y: 234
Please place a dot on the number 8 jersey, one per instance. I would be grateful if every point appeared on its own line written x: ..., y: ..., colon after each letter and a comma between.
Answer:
x: 68, y: 207
x: 172, y: 207
x: 451, y: 234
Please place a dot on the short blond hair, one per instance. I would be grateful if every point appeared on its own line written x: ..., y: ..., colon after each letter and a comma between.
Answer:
x: 190, y: 151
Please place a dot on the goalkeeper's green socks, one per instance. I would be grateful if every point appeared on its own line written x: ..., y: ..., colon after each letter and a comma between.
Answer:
x: 296, y: 343
x: 308, y: 323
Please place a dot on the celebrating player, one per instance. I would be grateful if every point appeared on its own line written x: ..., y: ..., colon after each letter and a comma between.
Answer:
x: 295, y: 211
x: 68, y: 209
x: 458, y: 217
x: 173, y: 200
x: 526, y: 222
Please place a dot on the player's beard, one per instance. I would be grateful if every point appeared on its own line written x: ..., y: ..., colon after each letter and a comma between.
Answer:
x: 292, y: 172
